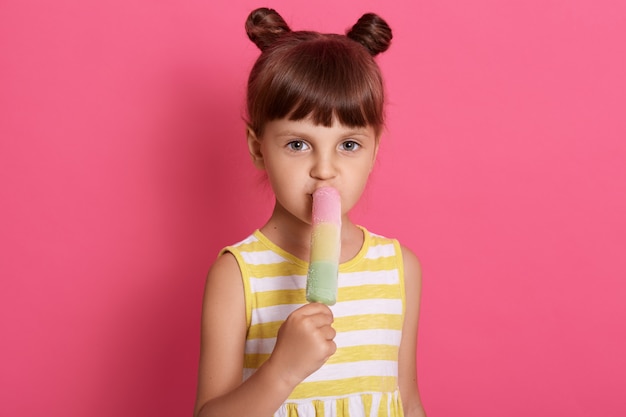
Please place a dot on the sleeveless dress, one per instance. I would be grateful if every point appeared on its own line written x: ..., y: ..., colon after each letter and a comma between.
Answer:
x: 361, y: 378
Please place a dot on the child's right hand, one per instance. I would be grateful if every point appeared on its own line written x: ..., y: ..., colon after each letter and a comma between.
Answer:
x: 304, y: 342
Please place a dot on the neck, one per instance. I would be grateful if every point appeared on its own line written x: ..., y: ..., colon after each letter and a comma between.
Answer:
x: 294, y: 235
x: 289, y: 232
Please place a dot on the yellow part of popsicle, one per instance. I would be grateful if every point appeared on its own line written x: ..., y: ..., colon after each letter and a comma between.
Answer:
x: 325, y: 242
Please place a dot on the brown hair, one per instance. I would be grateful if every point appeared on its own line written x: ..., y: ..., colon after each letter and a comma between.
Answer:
x: 309, y: 74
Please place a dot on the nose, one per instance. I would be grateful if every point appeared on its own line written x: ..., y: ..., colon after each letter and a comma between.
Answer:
x: 323, y: 168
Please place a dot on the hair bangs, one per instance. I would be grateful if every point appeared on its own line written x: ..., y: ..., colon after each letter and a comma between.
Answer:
x: 325, y: 78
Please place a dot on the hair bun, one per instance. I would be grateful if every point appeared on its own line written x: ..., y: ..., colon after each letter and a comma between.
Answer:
x: 372, y: 32
x: 264, y: 26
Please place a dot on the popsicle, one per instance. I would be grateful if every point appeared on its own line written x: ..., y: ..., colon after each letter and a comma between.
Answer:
x: 321, y: 284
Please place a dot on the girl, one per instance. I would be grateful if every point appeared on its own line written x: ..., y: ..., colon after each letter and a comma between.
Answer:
x: 315, y: 116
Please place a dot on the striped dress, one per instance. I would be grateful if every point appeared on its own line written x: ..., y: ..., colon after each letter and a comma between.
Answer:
x: 361, y: 378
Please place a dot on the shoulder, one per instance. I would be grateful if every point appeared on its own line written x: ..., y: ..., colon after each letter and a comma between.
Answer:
x: 230, y: 259
x: 225, y: 266
x: 412, y: 265
x: 412, y: 273
x: 223, y: 281
x: 224, y: 278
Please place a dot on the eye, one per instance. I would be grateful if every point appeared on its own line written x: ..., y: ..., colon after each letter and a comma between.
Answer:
x: 350, y: 146
x: 297, y: 145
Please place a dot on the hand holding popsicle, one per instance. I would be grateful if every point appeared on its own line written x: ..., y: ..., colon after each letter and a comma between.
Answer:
x: 321, y: 285
x: 304, y: 342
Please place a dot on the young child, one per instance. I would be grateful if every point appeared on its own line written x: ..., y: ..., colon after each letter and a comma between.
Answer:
x: 315, y: 109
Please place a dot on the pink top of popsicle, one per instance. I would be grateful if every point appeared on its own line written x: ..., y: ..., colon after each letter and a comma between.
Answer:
x: 326, y: 206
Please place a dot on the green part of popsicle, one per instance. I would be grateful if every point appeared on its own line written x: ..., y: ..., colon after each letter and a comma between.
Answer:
x: 321, y: 286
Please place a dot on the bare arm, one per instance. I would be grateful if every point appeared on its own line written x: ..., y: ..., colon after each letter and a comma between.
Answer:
x: 407, y: 364
x: 307, y: 333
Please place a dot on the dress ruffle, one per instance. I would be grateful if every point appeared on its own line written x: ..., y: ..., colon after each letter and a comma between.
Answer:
x: 378, y: 404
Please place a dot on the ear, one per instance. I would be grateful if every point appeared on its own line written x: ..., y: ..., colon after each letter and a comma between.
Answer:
x: 254, y: 147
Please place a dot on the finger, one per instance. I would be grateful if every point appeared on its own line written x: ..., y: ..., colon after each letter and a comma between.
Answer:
x: 332, y: 348
x: 315, y: 308
x: 320, y: 320
x: 328, y: 332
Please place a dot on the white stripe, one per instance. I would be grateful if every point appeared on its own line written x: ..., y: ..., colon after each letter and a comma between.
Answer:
x: 375, y: 404
x: 272, y: 314
x: 265, y: 257
x: 381, y: 251
x: 355, y: 404
x: 340, y: 371
x: 283, y: 282
x: 368, y: 337
x: 355, y: 279
x: 330, y: 408
x: 306, y: 409
x: 341, y: 309
x: 245, y: 241
x: 334, y: 372
x: 247, y: 372
x: 343, y: 339
x: 348, y: 279
x: 368, y: 306
x: 260, y: 346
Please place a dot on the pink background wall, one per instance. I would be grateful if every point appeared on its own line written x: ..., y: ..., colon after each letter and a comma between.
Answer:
x: 123, y: 170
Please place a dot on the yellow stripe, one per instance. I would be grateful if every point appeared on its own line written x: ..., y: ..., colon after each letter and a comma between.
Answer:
x: 319, y: 408
x: 264, y: 330
x: 367, y: 403
x: 364, y: 353
x: 343, y: 407
x: 292, y: 409
x: 368, y: 322
x: 254, y: 360
x: 341, y: 324
x: 288, y: 268
x: 365, y: 292
x: 378, y: 264
x: 382, y: 407
x: 276, y: 270
x: 343, y: 355
x: 279, y: 297
x: 344, y: 387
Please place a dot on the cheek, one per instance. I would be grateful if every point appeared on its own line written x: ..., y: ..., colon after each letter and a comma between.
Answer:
x: 356, y: 188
